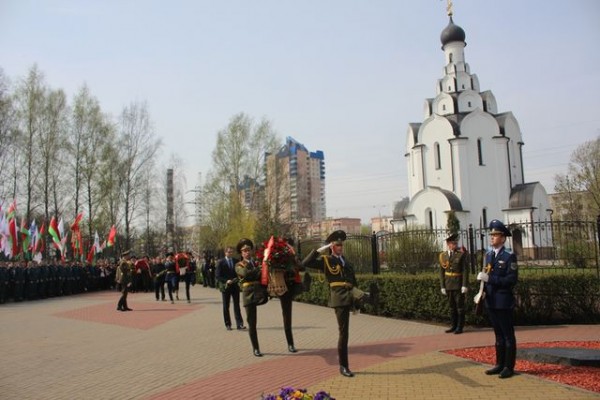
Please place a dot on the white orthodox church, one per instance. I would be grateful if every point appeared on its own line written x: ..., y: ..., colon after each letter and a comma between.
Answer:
x: 466, y: 156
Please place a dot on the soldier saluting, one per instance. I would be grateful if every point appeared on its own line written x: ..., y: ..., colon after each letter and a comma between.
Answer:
x: 343, y: 293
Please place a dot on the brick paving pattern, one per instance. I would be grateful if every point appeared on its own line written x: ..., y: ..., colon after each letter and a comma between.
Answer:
x: 80, y: 347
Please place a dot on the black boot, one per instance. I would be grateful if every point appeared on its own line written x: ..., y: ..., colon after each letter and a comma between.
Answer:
x: 500, y: 356
x: 255, y: 347
x: 125, y: 307
x: 290, y: 341
x: 120, y: 305
x: 460, y: 325
x: 509, y: 362
x: 346, y: 372
x: 454, y: 323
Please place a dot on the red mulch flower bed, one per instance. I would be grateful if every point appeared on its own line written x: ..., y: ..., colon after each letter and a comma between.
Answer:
x: 583, y: 377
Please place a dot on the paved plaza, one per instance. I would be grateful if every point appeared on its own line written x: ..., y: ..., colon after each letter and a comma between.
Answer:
x: 80, y: 347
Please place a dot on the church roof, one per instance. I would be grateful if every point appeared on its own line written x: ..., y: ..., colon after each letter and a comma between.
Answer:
x: 453, y: 200
x: 455, y: 120
x: 521, y: 196
x: 414, y: 126
x: 452, y: 33
x: 501, y: 118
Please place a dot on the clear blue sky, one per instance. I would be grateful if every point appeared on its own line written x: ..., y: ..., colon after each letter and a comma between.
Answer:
x: 342, y: 76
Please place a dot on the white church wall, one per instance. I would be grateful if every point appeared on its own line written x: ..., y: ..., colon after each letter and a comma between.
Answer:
x: 443, y: 104
x: 463, y: 81
x: 469, y: 100
x: 448, y: 84
x: 429, y: 201
x: 475, y: 82
x: 462, y: 159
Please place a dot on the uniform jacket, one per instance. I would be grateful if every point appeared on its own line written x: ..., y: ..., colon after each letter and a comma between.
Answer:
x: 336, y: 273
x: 126, y: 268
x: 454, y: 272
x: 249, y: 280
x: 503, y: 274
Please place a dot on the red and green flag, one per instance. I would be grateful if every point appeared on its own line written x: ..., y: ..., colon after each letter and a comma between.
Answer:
x: 112, y: 235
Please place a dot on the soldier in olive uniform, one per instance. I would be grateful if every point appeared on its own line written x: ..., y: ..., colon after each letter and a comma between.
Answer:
x: 253, y: 293
x: 126, y: 268
x: 292, y: 282
x: 454, y: 278
x: 343, y: 293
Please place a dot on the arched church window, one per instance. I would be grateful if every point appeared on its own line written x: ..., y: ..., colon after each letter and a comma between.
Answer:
x: 438, y: 156
x: 451, y: 57
x: 430, y: 219
x: 443, y: 107
x: 469, y: 104
x: 479, y: 152
x: 484, y: 216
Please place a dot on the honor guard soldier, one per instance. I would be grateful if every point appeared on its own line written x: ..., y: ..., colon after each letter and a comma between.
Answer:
x: 126, y: 271
x: 454, y: 278
x: 500, y: 275
x: 343, y: 293
x: 253, y: 292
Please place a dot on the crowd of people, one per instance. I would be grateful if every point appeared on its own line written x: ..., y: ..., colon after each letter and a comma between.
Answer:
x: 28, y: 280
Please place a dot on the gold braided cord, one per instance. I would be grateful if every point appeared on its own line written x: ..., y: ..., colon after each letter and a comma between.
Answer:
x: 332, y: 270
x: 444, y: 264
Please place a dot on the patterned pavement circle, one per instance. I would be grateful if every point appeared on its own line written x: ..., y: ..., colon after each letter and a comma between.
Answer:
x: 144, y: 316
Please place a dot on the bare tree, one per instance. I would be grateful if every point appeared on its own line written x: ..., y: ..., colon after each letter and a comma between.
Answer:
x: 238, y: 155
x: 31, y: 94
x: 138, y: 148
x: 51, y: 135
x: 583, y: 176
x: 7, y: 131
x: 89, y: 134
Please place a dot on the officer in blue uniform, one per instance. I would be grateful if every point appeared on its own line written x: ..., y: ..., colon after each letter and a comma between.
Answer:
x: 500, y: 276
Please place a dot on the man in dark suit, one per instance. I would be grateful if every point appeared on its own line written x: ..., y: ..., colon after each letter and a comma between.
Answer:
x: 343, y: 293
x: 227, y: 282
x: 454, y: 278
x: 500, y: 277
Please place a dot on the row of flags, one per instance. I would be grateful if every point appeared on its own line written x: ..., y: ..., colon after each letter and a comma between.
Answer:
x: 29, y: 241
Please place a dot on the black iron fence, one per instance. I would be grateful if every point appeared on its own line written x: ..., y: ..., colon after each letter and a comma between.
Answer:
x: 540, y: 246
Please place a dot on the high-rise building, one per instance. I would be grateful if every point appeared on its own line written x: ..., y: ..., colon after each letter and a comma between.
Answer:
x: 295, y: 183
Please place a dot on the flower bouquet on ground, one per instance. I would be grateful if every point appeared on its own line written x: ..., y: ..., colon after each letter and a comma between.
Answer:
x: 277, y: 258
x: 289, y: 393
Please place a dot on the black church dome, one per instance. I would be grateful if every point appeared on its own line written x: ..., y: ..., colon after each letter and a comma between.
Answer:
x: 452, y: 33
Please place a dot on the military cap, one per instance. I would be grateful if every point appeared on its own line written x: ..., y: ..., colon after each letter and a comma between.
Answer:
x: 498, y: 227
x: 452, y: 238
x: 125, y: 253
x: 244, y: 244
x: 336, y: 237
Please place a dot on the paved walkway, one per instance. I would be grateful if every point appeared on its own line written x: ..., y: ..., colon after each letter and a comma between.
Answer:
x: 80, y: 347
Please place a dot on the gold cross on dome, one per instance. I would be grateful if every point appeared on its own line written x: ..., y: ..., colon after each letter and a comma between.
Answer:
x: 449, y: 8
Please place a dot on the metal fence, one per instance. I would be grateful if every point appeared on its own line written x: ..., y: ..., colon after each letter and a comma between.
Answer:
x: 540, y: 246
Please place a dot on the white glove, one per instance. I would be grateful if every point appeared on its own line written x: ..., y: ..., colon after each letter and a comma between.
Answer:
x: 482, y: 276
x: 464, y: 289
x: 323, y: 248
x: 444, y: 291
